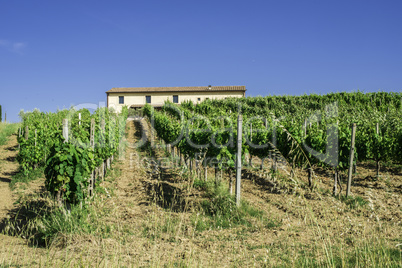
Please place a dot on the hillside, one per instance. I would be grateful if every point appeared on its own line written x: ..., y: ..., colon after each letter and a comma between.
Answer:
x: 147, y: 215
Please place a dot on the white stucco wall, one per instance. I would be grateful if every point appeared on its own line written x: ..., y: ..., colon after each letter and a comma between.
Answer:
x: 160, y: 98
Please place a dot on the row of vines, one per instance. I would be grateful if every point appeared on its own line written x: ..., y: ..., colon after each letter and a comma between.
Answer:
x: 69, y: 161
x: 304, y: 131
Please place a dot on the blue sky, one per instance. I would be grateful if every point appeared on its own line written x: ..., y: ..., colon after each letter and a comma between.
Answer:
x: 54, y: 54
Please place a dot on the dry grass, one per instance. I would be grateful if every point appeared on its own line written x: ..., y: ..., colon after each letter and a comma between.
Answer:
x: 142, y: 219
x: 6, y: 130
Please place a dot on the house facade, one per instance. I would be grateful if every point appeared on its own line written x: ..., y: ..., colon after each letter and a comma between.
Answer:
x: 137, y: 97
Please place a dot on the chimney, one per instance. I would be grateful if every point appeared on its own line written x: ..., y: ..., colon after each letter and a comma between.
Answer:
x: 209, y: 86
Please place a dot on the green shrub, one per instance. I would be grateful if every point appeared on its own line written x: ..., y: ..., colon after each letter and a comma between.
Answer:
x: 201, y: 184
x: 219, y: 210
x: 67, y: 171
x: 61, y: 222
x: 354, y: 202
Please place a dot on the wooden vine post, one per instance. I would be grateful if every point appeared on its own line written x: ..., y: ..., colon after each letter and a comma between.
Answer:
x: 26, y: 133
x: 251, y: 139
x: 59, y: 194
x: 238, y: 158
x: 112, y: 127
x: 197, y: 165
x: 65, y: 130
x: 352, y: 150
x: 45, y: 143
x: 36, y: 138
x: 377, y: 128
x: 310, y: 177
x: 274, y: 162
x: 216, y: 173
x: 19, y: 136
x: 334, y: 189
x: 92, y: 144
x: 263, y: 158
x: 102, y: 139
x: 206, y: 170
x: 190, y: 166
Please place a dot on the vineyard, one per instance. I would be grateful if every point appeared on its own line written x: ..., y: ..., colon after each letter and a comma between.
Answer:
x: 158, y: 187
x: 304, y: 132
x: 74, y: 147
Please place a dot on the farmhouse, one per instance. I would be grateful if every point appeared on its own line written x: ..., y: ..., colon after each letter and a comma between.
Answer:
x: 137, y: 97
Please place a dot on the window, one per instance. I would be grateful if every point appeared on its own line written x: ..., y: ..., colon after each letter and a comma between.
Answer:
x: 121, y: 99
x: 198, y: 99
x: 148, y: 99
x: 175, y: 99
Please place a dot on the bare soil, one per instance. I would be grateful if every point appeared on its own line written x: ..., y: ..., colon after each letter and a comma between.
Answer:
x: 8, y: 167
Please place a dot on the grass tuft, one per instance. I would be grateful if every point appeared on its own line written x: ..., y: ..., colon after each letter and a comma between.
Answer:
x: 354, y: 202
x: 43, y: 223
x: 202, y: 184
x: 22, y: 177
x: 75, y: 221
x: 7, y: 130
x: 220, y: 211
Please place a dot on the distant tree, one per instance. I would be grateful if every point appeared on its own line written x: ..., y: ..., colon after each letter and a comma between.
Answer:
x: 1, y: 118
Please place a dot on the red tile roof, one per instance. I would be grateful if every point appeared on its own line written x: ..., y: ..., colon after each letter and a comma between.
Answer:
x: 175, y: 89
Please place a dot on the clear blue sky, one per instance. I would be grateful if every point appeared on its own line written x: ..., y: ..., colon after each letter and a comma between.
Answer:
x: 54, y: 54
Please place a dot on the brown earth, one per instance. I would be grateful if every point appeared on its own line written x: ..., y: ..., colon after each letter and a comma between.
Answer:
x: 146, y: 218
x: 8, y: 167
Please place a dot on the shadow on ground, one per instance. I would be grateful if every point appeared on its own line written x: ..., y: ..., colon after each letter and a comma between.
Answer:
x: 20, y: 221
x: 165, y: 195
x: 264, y: 183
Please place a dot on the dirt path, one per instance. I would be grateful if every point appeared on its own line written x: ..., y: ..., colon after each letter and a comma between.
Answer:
x: 131, y: 195
x: 8, y: 167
